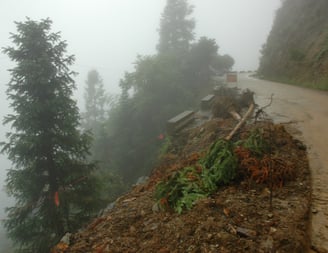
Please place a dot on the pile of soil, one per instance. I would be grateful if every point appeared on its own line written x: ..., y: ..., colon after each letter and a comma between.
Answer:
x: 237, y: 218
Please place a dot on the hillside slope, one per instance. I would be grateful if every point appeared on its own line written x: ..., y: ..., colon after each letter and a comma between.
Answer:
x: 297, y: 47
x: 235, y: 218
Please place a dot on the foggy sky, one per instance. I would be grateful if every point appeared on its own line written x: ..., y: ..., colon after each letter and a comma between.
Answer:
x: 108, y: 34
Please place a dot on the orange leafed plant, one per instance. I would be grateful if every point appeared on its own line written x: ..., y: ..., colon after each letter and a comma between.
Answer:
x: 268, y: 169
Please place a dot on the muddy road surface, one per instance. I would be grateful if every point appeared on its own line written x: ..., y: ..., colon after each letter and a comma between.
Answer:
x: 307, y: 111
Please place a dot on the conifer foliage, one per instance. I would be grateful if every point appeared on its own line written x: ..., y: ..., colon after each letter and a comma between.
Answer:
x: 50, y: 178
x: 95, y: 100
x: 176, y: 27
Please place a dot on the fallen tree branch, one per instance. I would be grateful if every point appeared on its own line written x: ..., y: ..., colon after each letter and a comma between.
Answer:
x: 261, y: 110
x: 243, y: 120
x: 235, y: 115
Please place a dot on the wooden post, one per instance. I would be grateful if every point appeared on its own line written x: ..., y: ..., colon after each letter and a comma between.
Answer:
x: 243, y: 120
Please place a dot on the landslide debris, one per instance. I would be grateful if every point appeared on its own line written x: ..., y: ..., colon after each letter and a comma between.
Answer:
x: 235, y: 217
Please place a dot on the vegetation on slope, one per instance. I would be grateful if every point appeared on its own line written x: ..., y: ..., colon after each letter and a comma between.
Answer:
x: 160, y: 86
x: 54, y: 180
x: 235, y: 218
x: 297, y: 47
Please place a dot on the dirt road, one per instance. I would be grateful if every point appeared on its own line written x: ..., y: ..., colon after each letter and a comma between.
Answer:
x: 307, y: 111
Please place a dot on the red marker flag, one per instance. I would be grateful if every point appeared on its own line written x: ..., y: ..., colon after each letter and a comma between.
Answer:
x: 161, y: 137
x: 56, y: 199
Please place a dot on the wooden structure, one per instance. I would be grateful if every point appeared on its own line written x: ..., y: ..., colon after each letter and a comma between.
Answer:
x: 180, y: 121
x: 216, y: 90
x: 207, y: 102
x: 241, y: 122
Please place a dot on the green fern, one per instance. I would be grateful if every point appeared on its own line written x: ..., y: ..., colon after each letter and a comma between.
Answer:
x: 188, y: 185
x: 255, y: 143
x: 220, y: 164
x: 181, y: 191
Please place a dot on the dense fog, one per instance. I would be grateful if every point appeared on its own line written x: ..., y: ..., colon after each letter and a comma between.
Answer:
x: 107, y: 35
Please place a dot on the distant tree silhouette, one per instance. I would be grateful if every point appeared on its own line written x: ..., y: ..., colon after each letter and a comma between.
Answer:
x: 176, y: 28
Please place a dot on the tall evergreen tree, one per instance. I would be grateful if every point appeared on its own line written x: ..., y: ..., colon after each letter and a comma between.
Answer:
x: 201, y: 57
x: 50, y: 176
x: 176, y: 27
x: 95, y: 100
x: 94, y: 118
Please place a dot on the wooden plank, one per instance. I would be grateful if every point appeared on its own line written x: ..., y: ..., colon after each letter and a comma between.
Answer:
x: 216, y: 90
x: 243, y: 120
x: 208, y: 98
x: 178, y: 122
x: 207, y: 101
x: 181, y: 116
